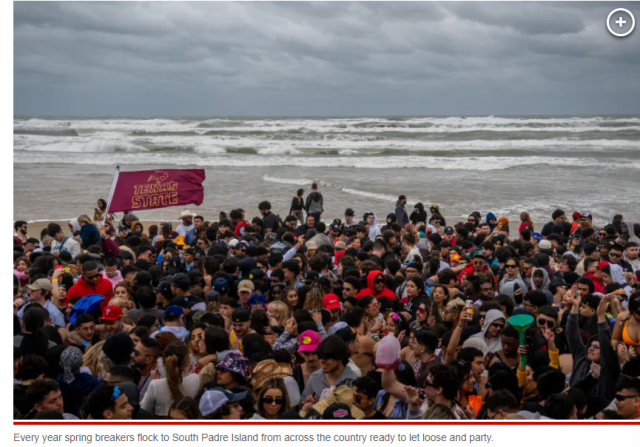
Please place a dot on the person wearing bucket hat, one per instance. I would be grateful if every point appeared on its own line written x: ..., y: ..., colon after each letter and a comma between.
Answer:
x: 232, y: 371
x: 265, y: 371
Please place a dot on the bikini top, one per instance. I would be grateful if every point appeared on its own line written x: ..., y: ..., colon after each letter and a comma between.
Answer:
x: 626, y: 338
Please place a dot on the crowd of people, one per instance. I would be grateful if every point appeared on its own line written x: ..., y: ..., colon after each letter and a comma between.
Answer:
x: 301, y: 318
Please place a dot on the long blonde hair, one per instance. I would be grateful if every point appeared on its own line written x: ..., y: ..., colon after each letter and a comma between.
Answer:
x: 176, y: 359
x: 94, y: 360
x: 281, y: 311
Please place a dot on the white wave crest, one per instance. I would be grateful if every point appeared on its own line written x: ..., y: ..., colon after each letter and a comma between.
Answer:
x: 391, y: 162
x: 93, y: 146
x: 287, y: 181
x: 372, y: 195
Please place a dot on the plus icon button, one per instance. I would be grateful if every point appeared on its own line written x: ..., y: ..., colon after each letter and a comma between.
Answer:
x: 621, y: 22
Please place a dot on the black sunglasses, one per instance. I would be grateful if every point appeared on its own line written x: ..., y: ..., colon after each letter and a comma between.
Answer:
x: 93, y: 276
x: 615, y: 255
x: 622, y: 397
x: 380, y: 281
x: 270, y: 400
x: 497, y: 325
x: 511, y: 266
x: 549, y: 324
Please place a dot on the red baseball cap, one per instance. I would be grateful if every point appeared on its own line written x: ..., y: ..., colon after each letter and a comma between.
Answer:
x: 602, y: 264
x: 111, y: 313
x: 577, y: 215
x: 331, y: 301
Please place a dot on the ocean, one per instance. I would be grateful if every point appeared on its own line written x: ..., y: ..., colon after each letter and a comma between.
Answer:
x: 499, y: 164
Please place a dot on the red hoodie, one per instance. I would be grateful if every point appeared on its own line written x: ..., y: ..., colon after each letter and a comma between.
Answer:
x: 598, y: 284
x: 370, y: 290
x: 81, y: 289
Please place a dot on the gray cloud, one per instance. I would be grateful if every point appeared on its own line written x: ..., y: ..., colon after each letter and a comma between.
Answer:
x: 322, y: 58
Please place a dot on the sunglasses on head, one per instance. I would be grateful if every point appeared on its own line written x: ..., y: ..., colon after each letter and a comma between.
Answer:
x: 271, y: 400
x: 548, y: 323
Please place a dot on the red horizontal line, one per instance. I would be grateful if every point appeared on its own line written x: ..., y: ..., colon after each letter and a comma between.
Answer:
x: 136, y: 423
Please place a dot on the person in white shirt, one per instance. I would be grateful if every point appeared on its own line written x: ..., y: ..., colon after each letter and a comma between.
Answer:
x: 62, y: 242
x: 187, y: 228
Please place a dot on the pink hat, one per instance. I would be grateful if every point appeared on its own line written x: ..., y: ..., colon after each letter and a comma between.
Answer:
x: 308, y: 341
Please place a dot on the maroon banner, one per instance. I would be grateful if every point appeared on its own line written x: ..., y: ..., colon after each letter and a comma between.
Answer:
x: 146, y: 190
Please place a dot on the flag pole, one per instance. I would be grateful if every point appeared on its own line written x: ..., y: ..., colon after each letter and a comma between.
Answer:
x: 113, y: 188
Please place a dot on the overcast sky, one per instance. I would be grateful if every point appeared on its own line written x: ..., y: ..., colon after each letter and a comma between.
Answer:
x: 126, y: 58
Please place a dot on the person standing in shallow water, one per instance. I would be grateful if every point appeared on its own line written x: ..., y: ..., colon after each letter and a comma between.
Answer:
x: 314, y: 203
x: 297, y: 206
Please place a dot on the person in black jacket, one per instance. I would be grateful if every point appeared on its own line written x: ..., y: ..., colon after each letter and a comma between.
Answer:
x: 419, y: 214
x: 297, y: 206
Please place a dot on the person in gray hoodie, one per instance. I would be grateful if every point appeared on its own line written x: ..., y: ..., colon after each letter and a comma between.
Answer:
x: 401, y: 211
x: 540, y: 281
x: 494, y: 323
x: 511, y: 279
x: 314, y: 203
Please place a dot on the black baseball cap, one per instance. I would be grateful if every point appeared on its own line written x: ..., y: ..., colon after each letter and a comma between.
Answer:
x: 448, y: 230
x: 311, y: 276
x: 195, y: 276
x: 337, y: 411
x: 165, y: 289
x: 213, y: 296
x: 180, y: 280
x: 144, y: 278
x: 124, y: 254
x: 256, y: 274
x: 240, y: 315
